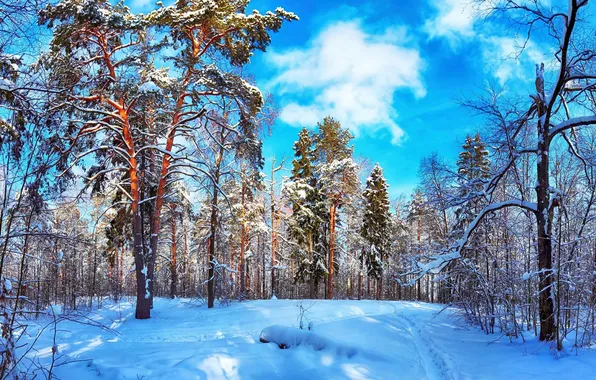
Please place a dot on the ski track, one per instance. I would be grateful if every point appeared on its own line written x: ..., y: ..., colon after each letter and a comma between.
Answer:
x: 436, y: 363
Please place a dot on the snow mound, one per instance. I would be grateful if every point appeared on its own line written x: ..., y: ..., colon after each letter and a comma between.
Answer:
x: 289, y: 337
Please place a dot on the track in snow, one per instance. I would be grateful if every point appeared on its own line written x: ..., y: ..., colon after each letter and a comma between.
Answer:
x: 435, y: 362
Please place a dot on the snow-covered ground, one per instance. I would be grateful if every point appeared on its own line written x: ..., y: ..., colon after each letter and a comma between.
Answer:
x: 363, y: 340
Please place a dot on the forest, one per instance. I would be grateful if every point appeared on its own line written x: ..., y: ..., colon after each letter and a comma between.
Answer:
x: 132, y: 172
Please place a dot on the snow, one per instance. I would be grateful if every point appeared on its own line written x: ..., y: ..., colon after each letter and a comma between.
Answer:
x: 353, y: 340
x: 573, y: 122
x: 148, y: 87
x: 438, y: 263
x: 6, y: 84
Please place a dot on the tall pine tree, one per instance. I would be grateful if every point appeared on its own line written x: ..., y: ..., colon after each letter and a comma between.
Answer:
x: 308, y: 217
x: 376, y: 225
x: 337, y: 173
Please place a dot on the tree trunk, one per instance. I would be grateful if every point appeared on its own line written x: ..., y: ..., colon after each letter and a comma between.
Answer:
x: 143, y: 308
x: 173, y: 262
x: 544, y: 219
x: 360, y: 274
x: 242, y: 247
x: 419, y: 233
x: 332, y: 212
x: 120, y: 269
x: 273, y: 237
x: 312, y: 286
x: 185, y: 262
x: 211, y: 255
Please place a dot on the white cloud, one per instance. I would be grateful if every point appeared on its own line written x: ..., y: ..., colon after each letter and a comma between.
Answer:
x: 507, y: 59
x: 454, y: 20
x: 504, y: 58
x: 353, y: 76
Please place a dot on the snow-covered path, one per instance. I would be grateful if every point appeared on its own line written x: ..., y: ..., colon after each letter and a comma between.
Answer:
x: 384, y: 340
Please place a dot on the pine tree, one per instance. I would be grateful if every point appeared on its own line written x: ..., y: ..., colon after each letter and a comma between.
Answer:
x: 302, y: 167
x: 376, y: 225
x: 473, y: 167
x: 474, y: 164
x: 337, y: 173
x: 101, y: 56
x: 308, y: 217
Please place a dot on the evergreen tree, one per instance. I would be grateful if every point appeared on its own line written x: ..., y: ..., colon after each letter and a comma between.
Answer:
x: 308, y: 217
x: 302, y: 167
x: 376, y: 225
x: 473, y: 167
x: 332, y: 142
x: 101, y: 56
x: 473, y: 163
x: 337, y: 173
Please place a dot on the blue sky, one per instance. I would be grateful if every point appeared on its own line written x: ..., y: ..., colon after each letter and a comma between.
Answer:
x: 396, y: 69
x: 390, y: 71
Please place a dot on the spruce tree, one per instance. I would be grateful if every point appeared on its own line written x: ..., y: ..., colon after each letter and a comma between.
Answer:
x: 376, y: 224
x: 473, y: 167
x: 308, y: 217
x: 302, y: 167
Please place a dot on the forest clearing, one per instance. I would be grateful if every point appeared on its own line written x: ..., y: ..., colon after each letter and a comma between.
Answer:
x: 297, y: 189
x: 362, y: 340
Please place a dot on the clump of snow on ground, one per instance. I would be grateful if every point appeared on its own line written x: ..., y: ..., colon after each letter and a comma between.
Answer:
x: 291, y: 337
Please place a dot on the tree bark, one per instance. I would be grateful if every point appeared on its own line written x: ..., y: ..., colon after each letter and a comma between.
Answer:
x: 143, y: 307
x: 273, y: 237
x: 360, y: 274
x: 544, y: 221
x: 242, y: 248
x: 173, y: 262
x: 212, y: 232
x: 332, y: 215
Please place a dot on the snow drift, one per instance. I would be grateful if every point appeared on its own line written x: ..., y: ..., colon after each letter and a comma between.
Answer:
x: 289, y: 337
